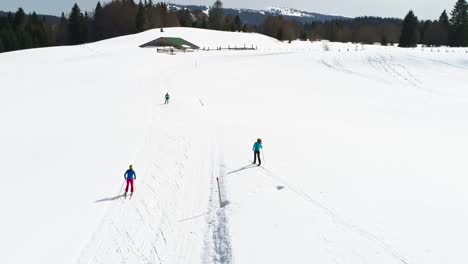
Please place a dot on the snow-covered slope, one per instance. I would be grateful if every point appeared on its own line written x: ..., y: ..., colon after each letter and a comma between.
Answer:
x: 364, y: 158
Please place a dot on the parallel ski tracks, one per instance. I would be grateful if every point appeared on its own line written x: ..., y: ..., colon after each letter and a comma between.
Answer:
x: 218, y: 242
x: 340, y: 219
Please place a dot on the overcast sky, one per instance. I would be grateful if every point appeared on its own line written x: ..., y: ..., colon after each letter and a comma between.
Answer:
x: 424, y: 9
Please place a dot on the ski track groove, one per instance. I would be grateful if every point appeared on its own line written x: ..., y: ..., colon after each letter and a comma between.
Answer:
x: 218, y: 243
x: 139, y: 214
x: 221, y: 236
x: 113, y: 239
x: 397, y: 71
x: 156, y: 252
x: 439, y: 62
x: 208, y: 247
x: 337, y: 66
x: 339, y: 219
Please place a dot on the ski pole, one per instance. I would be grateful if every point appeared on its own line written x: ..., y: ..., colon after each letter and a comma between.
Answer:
x: 121, y: 187
x: 263, y: 156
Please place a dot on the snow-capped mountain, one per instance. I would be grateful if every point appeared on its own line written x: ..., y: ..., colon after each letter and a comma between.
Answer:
x: 256, y: 17
x: 288, y: 12
x: 248, y: 16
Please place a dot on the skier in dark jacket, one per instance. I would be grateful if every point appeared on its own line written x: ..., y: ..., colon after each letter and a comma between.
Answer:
x: 257, y: 147
x: 130, y: 176
x: 167, y: 97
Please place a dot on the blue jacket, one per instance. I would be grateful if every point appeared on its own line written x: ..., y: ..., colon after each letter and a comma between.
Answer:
x: 130, y: 175
x: 257, y: 146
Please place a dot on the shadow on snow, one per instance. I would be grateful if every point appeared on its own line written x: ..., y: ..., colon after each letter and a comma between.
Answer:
x: 241, y: 169
x: 110, y: 199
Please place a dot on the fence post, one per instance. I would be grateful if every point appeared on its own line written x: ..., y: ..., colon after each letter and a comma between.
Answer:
x: 219, y: 193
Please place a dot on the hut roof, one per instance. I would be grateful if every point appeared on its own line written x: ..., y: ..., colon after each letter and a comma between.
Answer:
x: 177, y: 43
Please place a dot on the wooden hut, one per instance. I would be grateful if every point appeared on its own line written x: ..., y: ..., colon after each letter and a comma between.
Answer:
x: 165, y: 43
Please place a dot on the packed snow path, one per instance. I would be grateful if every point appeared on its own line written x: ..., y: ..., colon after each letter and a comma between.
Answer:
x: 365, y: 153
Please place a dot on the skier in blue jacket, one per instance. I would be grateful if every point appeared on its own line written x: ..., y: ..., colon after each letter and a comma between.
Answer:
x: 167, y: 97
x: 257, y: 147
x: 130, y: 176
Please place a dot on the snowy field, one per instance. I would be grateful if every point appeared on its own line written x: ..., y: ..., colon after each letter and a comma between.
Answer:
x: 365, y: 153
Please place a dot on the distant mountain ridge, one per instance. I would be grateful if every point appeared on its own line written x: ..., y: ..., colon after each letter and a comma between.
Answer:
x: 257, y: 17
x: 248, y: 16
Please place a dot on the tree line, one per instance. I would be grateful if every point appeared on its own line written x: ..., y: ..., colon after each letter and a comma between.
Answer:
x: 117, y: 18
x: 21, y: 31
x: 445, y: 31
x: 122, y: 17
x: 408, y: 32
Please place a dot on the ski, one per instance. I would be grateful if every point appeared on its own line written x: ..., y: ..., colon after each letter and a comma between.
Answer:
x: 254, y: 164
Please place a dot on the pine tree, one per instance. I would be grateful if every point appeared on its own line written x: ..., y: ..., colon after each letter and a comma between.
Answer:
x: 203, y: 25
x: 216, y: 16
x: 161, y: 5
x: 458, y: 33
x: 423, y: 29
x: 98, y: 7
x: 32, y: 27
x: 62, y: 37
x: 303, y: 35
x: 141, y: 18
x: 279, y: 36
x: 384, y: 41
x: 85, y: 27
x: 36, y: 32
x: 444, y: 19
x: 19, y: 20
x: 98, y: 22
x: 185, y: 18
x: 3, y: 22
x: 19, y: 23
x: 444, y: 25
x: 75, y: 26
x: 8, y: 36
x: 410, y: 31
x: 237, y: 23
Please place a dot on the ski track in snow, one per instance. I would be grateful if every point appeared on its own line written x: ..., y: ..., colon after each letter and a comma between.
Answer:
x: 336, y: 65
x: 134, y: 230
x: 439, y: 62
x: 387, y: 64
x: 115, y: 232
x: 221, y: 238
x: 217, y: 243
x: 338, y: 218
